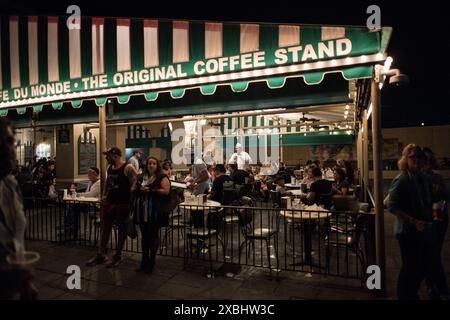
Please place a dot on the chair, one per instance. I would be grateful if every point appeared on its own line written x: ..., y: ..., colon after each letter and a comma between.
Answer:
x: 345, y: 232
x: 203, y: 236
x: 263, y: 234
x: 176, y: 222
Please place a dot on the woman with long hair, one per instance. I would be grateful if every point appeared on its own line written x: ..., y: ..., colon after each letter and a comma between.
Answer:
x: 410, y: 200
x: 151, y: 190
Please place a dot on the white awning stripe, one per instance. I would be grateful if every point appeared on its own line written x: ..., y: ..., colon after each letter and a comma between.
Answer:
x: 180, y: 41
x: 33, y: 64
x: 14, y: 51
x: 329, y: 33
x: 151, y: 55
x: 97, y: 46
x: 52, y: 49
x: 249, y: 38
x: 74, y: 53
x: 213, y: 40
x: 288, y: 36
x: 123, y: 45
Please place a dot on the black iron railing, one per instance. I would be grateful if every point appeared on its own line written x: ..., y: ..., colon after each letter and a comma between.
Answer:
x: 327, y: 242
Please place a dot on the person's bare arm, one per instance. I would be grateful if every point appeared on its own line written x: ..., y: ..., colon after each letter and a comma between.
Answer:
x: 131, y: 174
x: 419, y: 224
x: 165, y: 187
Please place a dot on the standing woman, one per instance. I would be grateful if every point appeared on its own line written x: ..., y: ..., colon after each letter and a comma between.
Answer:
x: 152, y: 190
x: 410, y: 202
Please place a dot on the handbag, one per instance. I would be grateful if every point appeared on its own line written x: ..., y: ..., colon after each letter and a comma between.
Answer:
x: 130, y: 226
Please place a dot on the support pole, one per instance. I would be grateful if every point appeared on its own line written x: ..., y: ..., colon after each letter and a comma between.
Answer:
x: 378, y: 182
x: 102, y: 135
x: 365, y: 155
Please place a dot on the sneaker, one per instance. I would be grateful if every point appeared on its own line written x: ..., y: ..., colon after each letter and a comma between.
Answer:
x: 98, y: 259
x: 115, y: 261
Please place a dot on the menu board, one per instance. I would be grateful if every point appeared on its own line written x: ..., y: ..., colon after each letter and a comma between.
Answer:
x: 87, y: 156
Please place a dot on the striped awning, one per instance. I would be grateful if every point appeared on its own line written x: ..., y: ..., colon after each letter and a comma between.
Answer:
x: 43, y: 62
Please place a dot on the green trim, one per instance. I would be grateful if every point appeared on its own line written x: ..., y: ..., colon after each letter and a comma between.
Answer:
x: 239, y: 86
x: 123, y: 99
x: 151, y: 96
x: 77, y: 103
x: 22, y: 110
x: 38, y: 108
x: 276, y: 82
x: 3, y: 112
x: 317, y: 138
x: 57, y: 105
x: 208, y: 89
x: 268, y: 41
x: 177, y: 93
x: 23, y: 51
x: 100, y: 101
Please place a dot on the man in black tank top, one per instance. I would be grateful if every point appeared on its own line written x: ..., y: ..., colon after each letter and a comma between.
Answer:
x: 115, y: 205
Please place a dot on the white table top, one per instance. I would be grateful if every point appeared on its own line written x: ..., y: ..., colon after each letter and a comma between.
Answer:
x: 290, y: 185
x: 301, y: 214
x: 297, y: 192
x: 81, y: 199
x: 210, y: 204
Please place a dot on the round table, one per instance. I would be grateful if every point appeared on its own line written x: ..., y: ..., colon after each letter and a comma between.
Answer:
x: 297, y: 193
x: 290, y: 185
x: 199, y: 219
x: 305, y: 216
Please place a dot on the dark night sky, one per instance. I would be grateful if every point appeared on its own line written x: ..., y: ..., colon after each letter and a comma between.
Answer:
x: 418, y: 43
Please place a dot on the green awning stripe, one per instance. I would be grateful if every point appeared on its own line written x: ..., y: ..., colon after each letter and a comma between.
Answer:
x: 57, y: 105
x: 239, y: 86
x: 317, y: 138
x: 165, y: 43
x: 288, y: 123
x: 196, y: 41
x: 313, y: 77
x: 129, y: 132
x: 23, y: 51
x: 100, y: 101
x: 231, y: 39
x: 63, y: 50
x: 208, y: 89
x: 268, y: 41
x: 137, y: 44
x: 151, y: 96
x: 38, y: 108
x: 134, y: 132
x: 3, y: 112
x: 363, y: 42
x: 358, y: 72
x: 6, y: 72
x: 77, y: 103
x: 123, y: 99
x: 110, y: 46
x: 297, y: 126
x: 177, y: 93
x: 310, y: 34
x: 42, y: 49
x: 86, y: 46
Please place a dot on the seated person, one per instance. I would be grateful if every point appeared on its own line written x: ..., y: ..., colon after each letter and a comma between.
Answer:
x: 237, y: 176
x: 319, y: 187
x: 217, y: 186
x: 280, y: 186
x: 340, y: 185
x: 309, y: 177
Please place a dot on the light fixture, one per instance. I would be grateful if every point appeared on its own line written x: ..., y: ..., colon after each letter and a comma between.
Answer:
x: 346, y: 112
x: 170, y: 126
x: 423, y: 124
x: 347, y: 107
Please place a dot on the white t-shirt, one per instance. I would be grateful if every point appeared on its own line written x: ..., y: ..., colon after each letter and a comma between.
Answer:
x: 241, y: 159
x: 135, y: 163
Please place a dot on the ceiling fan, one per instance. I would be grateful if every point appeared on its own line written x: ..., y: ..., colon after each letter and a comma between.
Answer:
x: 304, y: 119
x: 211, y: 123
